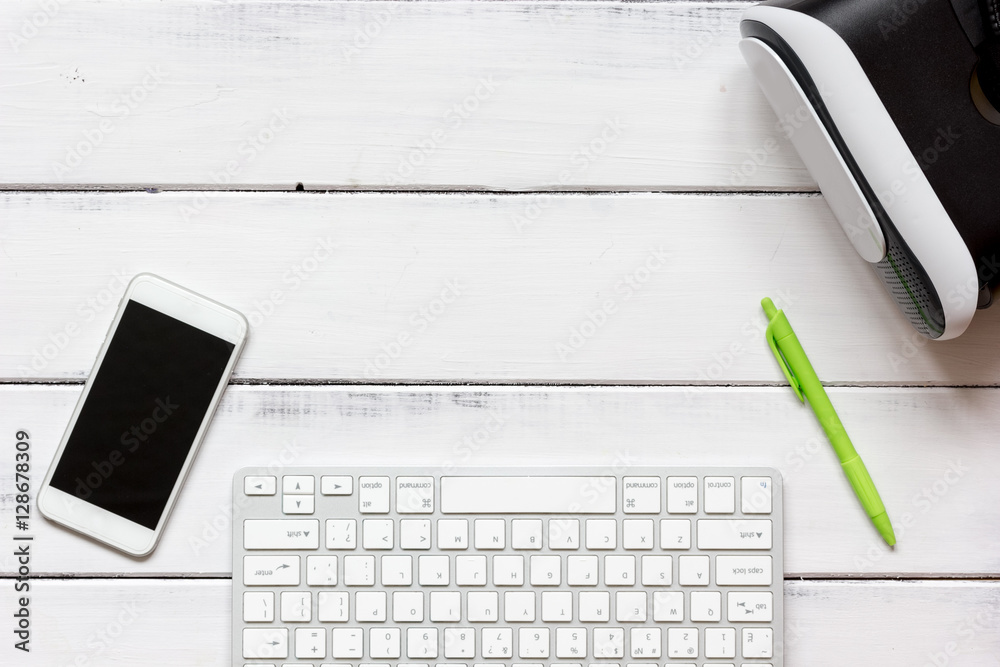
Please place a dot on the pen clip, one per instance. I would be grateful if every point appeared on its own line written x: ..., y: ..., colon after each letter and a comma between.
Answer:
x: 786, y: 369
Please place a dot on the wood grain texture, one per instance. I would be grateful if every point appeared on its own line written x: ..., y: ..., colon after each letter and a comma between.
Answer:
x: 638, y: 288
x: 107, y: 622
x: 929, y: 452
x: 397, y: 95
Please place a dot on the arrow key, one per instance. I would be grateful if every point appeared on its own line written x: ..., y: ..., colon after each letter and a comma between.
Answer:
x: 259, y: 486
x: 298, y: 504
x: 298, y: 484
x: 336, y: 485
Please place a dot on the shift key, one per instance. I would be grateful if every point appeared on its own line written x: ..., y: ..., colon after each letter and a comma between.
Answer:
x: 281, y: 534
x: 734, y: 534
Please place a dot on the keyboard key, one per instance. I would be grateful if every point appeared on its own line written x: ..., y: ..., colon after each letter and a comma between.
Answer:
x: 706, y: 606
x: 346, y: 642
x: 564, y: 534
x: 490, y: 533
x: 377, y: 533
x: 682, y: 495
x: 675, y: 533
x: 528, y: 495
x: 370, y: 606
x: 526, y: 533
x: 408, y: 607
x: 258, y: 606
x: 720, y: 642
x: 693, y: 570
x: 750, y: 606
x: 453, y: 534
x: 508, y: 570
x: 470, y: 570
x: 743, y: 570
x: 265, y: 643
x: 483, y: 606
x: 384, y: 642
x: 321, y: 570
x: 446, y: 606
x: 298, y: 504
x: 602, y: 533
x: 459, y: 643
x: 332, y: 606
x: 644, y: 643
x: 657, y: 570
x: 415, y: 534
x: 397, y: 570
x: 298, y: 484
x: 581, y: 570
x: 415, y: 495
x: 720, y: 495
x: 296, y: 606
x: 519, y: 606
x: 280, y: 534
x: 619, y: 570
x: 630, y: 607
x: 498, y: 643
x: 609, y: 642
x: 637, y: 533
x: 359, y: 570
x: 271, y: 570
x: 421, y: 643
x: 310, y: 643
x: 533, y: 642
x: 755, y: 495
x: 557, y: 606
x: 595, y: 606
x: 668, y: 606
x: 641, y: 495
x: 373, y: 495
x: 336, y: 485
x: 434, y: 570
x: 758, y: 642
x: 545, y: 570
x: 341, y: 533
x: 571, y: 643
x: 259, y: 486
x: 682, y: 642
x: 734, y: 534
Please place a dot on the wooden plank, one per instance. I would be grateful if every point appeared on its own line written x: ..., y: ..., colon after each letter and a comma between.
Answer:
x: 931, y: 451
x: 572, y: 288
x: 465, y: 95
x: 187, y: 622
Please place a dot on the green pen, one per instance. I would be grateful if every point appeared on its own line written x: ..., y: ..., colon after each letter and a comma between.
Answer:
x: 795, y: 364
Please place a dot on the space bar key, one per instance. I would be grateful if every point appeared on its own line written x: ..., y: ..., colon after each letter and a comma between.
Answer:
x: 281, y: 534
x: 528, y: 495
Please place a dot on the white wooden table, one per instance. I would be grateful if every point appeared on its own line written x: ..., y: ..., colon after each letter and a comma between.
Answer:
x: 568, y: 210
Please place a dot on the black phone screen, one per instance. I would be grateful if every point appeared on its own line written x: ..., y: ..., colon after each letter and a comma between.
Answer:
x: 140, y: 419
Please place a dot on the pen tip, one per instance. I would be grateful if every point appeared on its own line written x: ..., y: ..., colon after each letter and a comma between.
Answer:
x: 885, y: 529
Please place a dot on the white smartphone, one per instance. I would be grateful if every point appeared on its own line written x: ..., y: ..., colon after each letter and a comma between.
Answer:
x: 144, y: 410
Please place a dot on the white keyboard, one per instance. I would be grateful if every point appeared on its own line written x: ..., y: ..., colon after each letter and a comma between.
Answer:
x: 498, y: 567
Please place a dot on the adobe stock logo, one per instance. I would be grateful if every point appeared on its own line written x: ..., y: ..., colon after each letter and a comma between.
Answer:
x: 131, y: 440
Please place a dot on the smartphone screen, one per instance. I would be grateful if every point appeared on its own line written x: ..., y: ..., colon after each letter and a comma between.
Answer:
x: 138, y: 424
